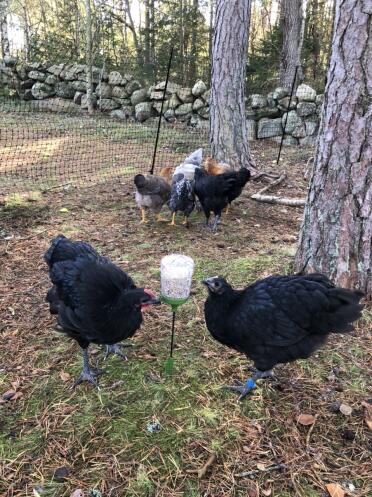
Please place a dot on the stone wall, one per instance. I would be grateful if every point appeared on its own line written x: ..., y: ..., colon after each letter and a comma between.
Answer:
x: 124, y: 98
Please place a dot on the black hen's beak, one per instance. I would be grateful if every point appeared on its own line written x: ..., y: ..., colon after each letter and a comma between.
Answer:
x: 153, y: 301
x: 208, y: 282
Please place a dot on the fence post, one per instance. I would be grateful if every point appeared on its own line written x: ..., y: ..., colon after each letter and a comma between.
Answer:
x: 161, y: 112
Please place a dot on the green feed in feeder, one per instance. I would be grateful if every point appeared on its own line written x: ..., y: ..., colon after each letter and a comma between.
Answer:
x: 176, y: 275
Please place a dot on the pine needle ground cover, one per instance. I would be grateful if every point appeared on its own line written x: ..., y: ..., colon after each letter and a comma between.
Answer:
x: 289, y: 438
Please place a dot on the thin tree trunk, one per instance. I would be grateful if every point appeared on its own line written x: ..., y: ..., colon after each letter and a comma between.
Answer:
x: 152, y: 38
x: 315, y: 52
x: 136, y: 41
x: 147, y: 33
x: 26, y: 29
x: 194, y: 36
x: 336, y: 234
x: 228, y: 129
x: 293, y: 29
x: 181, y: 41
x: 77, y: 29
x: 88, y: 55
x: 211, y: 28
x: 5, y: 45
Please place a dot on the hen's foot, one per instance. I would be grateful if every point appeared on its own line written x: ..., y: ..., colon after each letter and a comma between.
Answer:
x: 89, y: 375
x: 116, y: 350
x: 242, y: 388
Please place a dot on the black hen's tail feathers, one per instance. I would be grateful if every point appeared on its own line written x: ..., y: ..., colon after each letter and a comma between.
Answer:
x: 48, y: 256
x: 63, y: 249
x: 345, y: 309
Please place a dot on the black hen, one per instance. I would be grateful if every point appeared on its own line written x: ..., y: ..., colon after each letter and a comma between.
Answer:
x: 242, y: 177
x: 213, y: 191
x: 95, y: 300
x: 182, y: 197
x: 278, y: 319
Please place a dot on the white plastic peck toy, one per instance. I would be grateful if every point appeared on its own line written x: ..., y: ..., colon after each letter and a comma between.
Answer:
x: 176, y: 275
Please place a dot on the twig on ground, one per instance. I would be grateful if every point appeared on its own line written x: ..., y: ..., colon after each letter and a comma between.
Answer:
x: 260, y: 175
x: 308, y: 168
x: 44, y: 190
x: 272, y: 199
x: 277, y: 182
x: 310, y: 431
x: 203, y: 470
x: 253, y: 472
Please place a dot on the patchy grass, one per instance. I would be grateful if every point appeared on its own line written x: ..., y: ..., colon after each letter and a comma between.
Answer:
x: 101, y: 436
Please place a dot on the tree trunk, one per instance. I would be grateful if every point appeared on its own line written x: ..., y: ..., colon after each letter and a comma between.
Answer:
x: 136, y: 40
x: 88, y: 55
x: 194, y: 38
x: 292, y: 20
x: 147, y: 33
x: 5, y: 45
x: 336, y: 234
x: 228, y: 130
x: 211, y: 28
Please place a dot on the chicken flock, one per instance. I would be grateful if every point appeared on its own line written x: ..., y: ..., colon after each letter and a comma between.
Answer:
x: 214, y: 185
x: 277, y: 320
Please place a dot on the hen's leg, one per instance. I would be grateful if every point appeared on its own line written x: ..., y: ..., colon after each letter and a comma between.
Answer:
x: 116, y: 349
x: 173, y: 222
x: 244, y: 388
x: 143, y: 212
x: 185, y: 221
x: 217, y: 219
x: 87, y: 374
x: 207, y: 216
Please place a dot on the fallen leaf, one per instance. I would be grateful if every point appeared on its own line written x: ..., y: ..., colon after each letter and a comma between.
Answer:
x: 367, y: 414
x: 60, y: 474
x: 65, y: 377
x: 77, y: 493
x: 266, y: 492
x: 261, y: 466
x: 335, y: 490
x: 345, y: 409
x: 306, y: 419
x: 17, y: 395
x: 8, y: 394
x: 252, y: 492
x: 63, y: 210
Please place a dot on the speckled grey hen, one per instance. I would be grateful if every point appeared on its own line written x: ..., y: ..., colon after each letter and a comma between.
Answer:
x: 182, y: 198
x: 152, y: 192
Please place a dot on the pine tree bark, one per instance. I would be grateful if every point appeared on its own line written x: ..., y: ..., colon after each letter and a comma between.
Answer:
x: 292, y: 21
x: 336, y: 234
x: 228, y: 130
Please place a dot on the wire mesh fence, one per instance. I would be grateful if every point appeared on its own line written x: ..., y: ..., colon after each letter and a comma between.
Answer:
x: 42, y: 149
x: 48, y: 139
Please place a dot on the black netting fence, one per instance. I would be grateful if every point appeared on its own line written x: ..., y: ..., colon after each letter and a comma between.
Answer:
x: 46, y: 146
x: 48, y: 139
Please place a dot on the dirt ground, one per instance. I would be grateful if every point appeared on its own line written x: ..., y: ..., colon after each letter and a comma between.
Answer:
x: 54, y: 440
